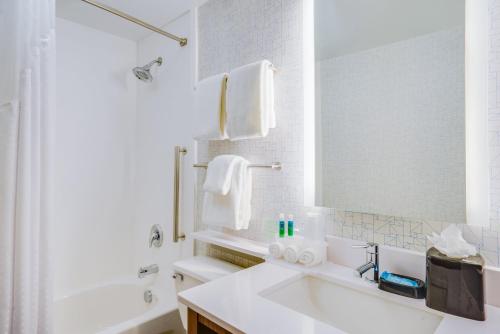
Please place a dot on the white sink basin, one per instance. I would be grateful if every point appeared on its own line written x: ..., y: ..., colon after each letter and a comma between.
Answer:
x: 352, y: 311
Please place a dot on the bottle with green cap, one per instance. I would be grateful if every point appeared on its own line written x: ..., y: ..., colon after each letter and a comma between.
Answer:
x: 282, y: 225
x: 290, y: 225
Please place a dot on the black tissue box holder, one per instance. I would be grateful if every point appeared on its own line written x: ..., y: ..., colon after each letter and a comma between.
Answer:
x: 417, y: 292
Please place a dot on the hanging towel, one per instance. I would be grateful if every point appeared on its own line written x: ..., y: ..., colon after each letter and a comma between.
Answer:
x: 250, y: 101
x: 210, y: 108
x: 232, y: 210
x: 220, y: 174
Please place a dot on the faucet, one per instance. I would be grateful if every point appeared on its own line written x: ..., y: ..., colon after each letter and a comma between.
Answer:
x: 373, y: 263
x: 148, y: 270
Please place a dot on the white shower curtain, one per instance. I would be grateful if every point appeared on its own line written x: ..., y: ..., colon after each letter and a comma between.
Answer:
x: 27, y: 91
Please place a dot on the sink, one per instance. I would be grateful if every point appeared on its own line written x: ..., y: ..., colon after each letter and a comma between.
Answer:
x: 350, y: 310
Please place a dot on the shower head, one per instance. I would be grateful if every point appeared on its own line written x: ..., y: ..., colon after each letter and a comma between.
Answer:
x: 143, y: 73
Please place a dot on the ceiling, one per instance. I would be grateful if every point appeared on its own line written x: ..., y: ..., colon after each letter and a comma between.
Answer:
x: 155, y: 12
x: 347, y: 26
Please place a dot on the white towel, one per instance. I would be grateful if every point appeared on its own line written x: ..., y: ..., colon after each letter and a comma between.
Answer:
x: 220, y: 174
x: 232, y: 210
x: 310, y: 256
x: 276, y: 250
x: 210, y: 108
x: 250, y: 101
x: 291, y: 253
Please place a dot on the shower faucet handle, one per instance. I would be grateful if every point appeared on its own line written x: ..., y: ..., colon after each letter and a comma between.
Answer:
x: 155, y: 236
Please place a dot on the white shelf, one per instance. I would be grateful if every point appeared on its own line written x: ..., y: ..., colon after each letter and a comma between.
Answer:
x: 242, y: 245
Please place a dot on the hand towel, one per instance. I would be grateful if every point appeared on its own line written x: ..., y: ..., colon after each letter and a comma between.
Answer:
x: 250, y: 101
x: 310, y: 256
x: 232, y: 210
x: 220, y: 174
x: 210, y: 108
x: 291, y: 253
x: 276, y: 250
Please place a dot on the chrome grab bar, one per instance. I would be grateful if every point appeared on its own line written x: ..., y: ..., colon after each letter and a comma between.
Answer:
x: 178, y: 152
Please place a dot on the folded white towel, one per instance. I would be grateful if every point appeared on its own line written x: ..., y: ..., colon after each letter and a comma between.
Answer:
x: 233, y: 209
x: 220, y: 174
x: 276, y: 250
x: 291, y: 253
x: 210, y: 108
x: 250, y: 101
x: 311, y: 256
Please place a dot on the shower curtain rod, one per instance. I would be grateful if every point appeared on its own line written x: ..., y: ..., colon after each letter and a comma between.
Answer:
x: 182, y: 41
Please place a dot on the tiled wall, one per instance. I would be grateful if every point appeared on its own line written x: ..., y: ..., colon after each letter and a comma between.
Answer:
x: 235, y: 32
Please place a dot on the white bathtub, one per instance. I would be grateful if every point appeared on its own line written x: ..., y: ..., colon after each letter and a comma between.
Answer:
x: 115, y: 308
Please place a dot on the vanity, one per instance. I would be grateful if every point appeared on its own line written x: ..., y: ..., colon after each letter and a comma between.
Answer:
x: 275, y: 297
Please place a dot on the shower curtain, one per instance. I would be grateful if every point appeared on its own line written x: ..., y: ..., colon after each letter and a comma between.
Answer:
x: 27, y: 88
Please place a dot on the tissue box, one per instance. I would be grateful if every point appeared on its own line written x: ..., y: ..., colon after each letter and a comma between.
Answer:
x: 455, y: 286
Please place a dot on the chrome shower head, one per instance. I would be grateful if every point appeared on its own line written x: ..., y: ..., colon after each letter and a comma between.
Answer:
x: 143, y: 73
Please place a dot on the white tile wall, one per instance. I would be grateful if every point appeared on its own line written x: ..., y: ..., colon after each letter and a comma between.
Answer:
x: 236, y: 32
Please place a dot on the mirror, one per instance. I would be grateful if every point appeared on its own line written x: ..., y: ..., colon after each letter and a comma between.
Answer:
x: 390, y: 107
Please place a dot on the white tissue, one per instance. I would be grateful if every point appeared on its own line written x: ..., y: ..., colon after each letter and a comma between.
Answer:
x: 451, y: 243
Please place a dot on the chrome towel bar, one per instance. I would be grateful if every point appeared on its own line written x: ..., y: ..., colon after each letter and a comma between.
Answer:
x: 274, y: 165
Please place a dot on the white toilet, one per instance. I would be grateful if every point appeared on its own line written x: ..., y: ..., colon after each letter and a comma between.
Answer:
x: 198, y: 270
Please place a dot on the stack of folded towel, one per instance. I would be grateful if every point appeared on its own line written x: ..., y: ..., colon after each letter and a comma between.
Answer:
x: 238, y: 105
x: 228, y: 193
x: 308, y: 253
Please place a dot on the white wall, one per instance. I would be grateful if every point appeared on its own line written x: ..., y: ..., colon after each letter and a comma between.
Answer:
x: 96, y: 101
x: 164, y: 119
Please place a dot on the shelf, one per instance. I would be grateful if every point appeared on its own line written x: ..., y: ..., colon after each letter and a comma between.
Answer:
x: 250, y: 247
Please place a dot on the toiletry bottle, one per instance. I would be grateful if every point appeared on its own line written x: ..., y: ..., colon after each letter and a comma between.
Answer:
x: 282, y: 225
x: 290, y: 225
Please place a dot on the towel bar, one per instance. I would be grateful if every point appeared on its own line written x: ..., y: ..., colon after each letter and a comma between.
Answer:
x: 274, y: 165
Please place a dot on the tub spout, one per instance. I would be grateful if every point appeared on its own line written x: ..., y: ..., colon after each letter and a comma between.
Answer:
x: 148, y: 270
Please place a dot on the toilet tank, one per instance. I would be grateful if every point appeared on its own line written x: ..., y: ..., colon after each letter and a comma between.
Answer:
x: 198, y: 270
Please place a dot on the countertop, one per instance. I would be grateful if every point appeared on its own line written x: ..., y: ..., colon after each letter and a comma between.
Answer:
x: 236, y: 303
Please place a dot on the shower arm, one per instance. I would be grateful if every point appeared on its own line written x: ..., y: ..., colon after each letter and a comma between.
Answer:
x: 182, y: 40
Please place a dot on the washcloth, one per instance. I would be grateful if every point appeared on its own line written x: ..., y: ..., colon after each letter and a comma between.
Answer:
x: 250, y: 101
x: 232, y: 210
x: 210, y: 108
x: 291, y: 253
x: 276, y: 250
x: 220, y: 174
x: 310, y: 256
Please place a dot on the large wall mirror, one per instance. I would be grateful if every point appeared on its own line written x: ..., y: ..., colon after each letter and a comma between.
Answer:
x: 390, y: 116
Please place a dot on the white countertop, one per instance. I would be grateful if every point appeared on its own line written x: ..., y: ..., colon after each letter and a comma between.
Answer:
x: 235, y: 302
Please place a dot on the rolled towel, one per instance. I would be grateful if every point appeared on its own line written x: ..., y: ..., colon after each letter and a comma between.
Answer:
x: 276, y: 249
x: 310, y: 256
x: 291, y: 253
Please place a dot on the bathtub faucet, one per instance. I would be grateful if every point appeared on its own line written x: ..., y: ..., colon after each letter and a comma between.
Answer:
x: 148, y: 270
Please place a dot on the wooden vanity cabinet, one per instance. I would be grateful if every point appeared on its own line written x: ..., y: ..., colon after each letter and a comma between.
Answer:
x: 198, y: 324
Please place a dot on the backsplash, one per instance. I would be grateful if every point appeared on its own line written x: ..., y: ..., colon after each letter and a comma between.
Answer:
x: 232, y: 33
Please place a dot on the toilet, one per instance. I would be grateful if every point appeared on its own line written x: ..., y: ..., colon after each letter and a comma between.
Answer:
x: 198, y: 270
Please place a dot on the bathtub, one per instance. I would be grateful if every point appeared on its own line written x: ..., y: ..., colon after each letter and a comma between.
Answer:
x: 117, y: 307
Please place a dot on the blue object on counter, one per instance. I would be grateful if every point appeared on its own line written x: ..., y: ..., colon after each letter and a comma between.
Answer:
x: 398, y: 279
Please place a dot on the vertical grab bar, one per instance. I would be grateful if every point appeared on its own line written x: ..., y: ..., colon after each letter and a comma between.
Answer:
x: 178, y: 152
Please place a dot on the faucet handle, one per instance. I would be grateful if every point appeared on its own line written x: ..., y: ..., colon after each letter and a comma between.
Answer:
x: 155, y: 236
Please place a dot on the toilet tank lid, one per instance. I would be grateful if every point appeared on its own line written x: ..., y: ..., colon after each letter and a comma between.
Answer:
x: 205, y: 268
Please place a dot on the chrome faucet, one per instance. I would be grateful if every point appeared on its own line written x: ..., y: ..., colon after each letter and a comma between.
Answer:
x: 148, y: 270
x: 372, y: 263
